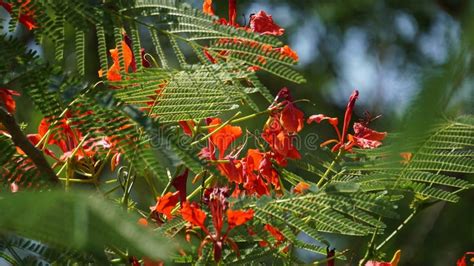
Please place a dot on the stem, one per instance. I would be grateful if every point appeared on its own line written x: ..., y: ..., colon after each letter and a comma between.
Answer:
x: 244, y: 118
x: 328, y: 170
x: 399, y: 228
x: 170, y: 183
x: 20, y: 140
x: 196, y: 191
x: 74, y: 153
x: 368, y: 252
x: 128, y: 187
x: 215, y: 130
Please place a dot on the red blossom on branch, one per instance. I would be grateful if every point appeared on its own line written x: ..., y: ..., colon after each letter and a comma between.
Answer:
x: 363, y: 137
x: 7, y: 100
x: 215, y: 199
x: 166, y: 204
x: 263, y: 24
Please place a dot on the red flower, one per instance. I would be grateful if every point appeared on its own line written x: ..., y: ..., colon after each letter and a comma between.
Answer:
x: 279, y: 237
x: 363, y: 137
x: 263, y: 24
x: 193, y: 214
x: 462, y: 261
x: 187, y: 127
x: 232, y: 170
x: 6, y: 99
x: 232, y: 12
x: 26, y: 15
x: 393, y: 262
x: 280, y: 141
x: 166, y: 204
x: 179, y: 183
x: 291, y: 118
x: 330, y: 253
x: 258, y: 172
x: 284, y: 121
x: 238, y: 217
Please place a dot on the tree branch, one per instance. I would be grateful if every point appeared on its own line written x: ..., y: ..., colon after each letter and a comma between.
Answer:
x: 20, y: 140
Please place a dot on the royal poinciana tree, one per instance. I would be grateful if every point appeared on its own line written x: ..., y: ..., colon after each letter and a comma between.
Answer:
x: 149, y: 110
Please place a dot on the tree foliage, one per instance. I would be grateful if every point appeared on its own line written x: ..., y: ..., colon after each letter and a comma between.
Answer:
x: 131, y: 125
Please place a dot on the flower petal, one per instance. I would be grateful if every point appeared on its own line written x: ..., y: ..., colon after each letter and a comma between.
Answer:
x: 292, y: 119
x: 166, y: 204
x: 224, y: 136
x: 321, y: 117
x: 207, y: 7
x: 238, y: 217
x: 193, y: 214
x: 263, y: 24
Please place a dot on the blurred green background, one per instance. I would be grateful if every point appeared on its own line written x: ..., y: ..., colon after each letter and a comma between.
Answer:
x: 385, y: 49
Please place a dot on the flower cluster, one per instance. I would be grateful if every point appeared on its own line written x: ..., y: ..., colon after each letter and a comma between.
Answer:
x: 260, y: 23
x: 26, y: 16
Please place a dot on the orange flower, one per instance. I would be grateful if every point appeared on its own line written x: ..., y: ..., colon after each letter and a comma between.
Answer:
x: 393, y: 262
x: 113, y: 74
x: 7, y: 99
x: 301, y: 187
x: 166, y: 204
x: 143, y: 221
x: 238, y: 217
x: 207, y: 7
x: 280, y: 141
x: 224, y: 136
x: 406, y: 157
x: 279, y: 131
x: 288, y: 52
x: 232, y: 170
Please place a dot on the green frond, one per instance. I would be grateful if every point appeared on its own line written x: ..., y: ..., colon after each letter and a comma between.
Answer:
x: 343, y: 213
x: 64, y: 220
x: 39, y: 253
x: 252, y: 255
x: 195, y: 93
x: 80, y: 52
x: 106, y: 118
x: 443, y: 149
